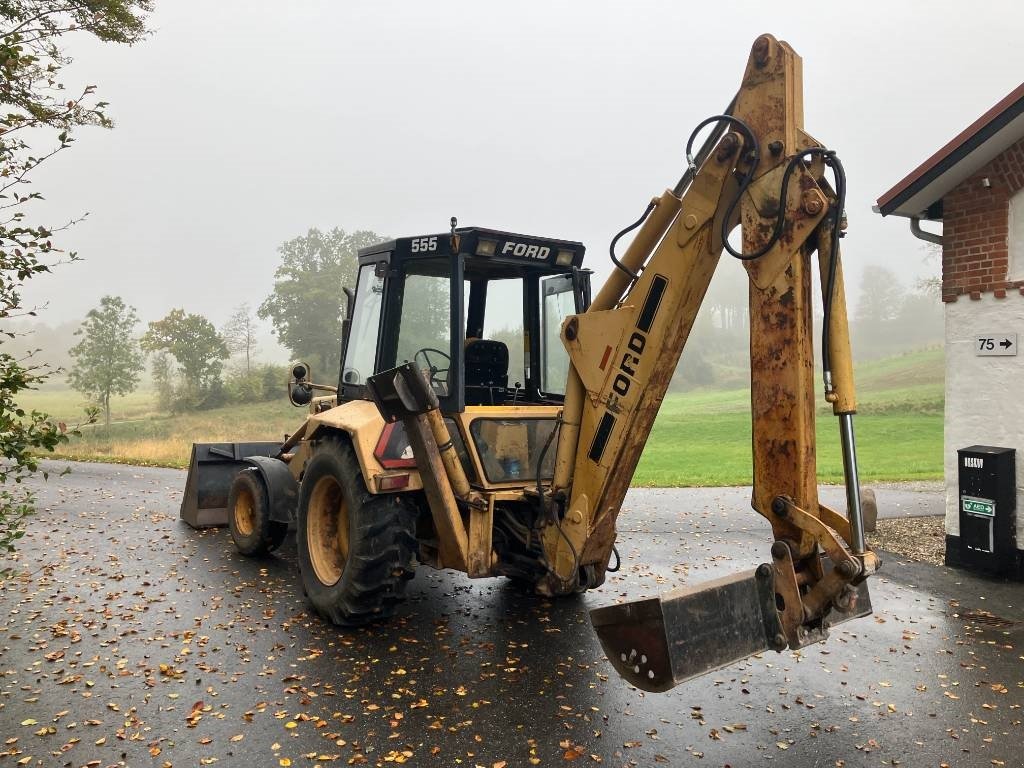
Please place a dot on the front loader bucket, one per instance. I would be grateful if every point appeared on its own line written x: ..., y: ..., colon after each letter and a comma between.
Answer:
x: 659, y: 642
x: 210, y: 473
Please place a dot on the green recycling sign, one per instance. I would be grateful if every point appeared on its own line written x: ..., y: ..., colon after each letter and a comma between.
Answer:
x: 976, y: 506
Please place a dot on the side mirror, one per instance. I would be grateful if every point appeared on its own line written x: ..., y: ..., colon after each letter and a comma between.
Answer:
x: 300, y: 391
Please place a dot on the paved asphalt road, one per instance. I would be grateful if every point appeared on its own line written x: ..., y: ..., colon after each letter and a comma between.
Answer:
x: 134, y: 640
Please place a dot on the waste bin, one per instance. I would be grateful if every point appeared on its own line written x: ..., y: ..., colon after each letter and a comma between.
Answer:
x: 988, y: 509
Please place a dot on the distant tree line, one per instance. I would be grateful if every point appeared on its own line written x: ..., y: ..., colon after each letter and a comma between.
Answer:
x: 187, y: 355
x: 887, y: 317
x: 194, y: 365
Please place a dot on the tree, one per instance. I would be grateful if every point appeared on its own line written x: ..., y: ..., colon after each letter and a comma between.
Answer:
x: 198, y: 349
x: 881, y: 295
x: 163, y: 379
x: 34, y: 101
x: 931, y: 284
x: 728, y: 297
x: 307, y: 304
x: 240, y: 334
x: 107, y: 359
x: 877, y: 329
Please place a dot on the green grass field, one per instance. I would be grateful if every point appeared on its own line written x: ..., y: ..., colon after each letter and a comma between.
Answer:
x: 700, y: 438
x: 703, y: 438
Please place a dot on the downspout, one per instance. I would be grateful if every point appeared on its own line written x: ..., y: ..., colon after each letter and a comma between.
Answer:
x: 920, y: 234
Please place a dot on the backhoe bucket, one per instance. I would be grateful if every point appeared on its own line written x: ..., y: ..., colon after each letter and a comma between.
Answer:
x: 659, y: 642
x: 210, y: 473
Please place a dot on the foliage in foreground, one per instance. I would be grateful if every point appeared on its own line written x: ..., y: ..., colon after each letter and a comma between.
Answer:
x: 34, y: 102
x: 22, y: 436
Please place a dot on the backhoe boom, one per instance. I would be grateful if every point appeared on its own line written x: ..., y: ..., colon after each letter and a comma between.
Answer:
x: 766, y: 175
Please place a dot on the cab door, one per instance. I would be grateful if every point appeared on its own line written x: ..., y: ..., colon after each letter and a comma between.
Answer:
x: 560, y: 296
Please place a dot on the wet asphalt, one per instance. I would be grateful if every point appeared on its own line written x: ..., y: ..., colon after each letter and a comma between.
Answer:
x: 133, y: 640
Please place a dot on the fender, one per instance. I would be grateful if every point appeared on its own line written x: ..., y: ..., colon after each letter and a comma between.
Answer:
x: 282, y: 490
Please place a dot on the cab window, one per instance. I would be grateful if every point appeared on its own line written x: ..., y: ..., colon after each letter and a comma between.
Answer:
x: 424, y: 333
x: 362, y: 339
x: 503, y: 322
x: 557, y: 303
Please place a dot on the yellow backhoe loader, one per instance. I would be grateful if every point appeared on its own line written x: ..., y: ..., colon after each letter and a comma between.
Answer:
x: 489, y: 414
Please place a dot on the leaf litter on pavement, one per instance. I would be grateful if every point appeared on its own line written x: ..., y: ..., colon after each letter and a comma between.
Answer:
x: 131, y: 637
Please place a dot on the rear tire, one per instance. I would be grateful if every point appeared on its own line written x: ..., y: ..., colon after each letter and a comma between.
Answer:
x: 355, y: 549
x: 252, y: 530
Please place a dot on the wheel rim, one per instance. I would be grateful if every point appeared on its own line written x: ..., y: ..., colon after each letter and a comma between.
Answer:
x: 245, y: 512
x: 327, y: 530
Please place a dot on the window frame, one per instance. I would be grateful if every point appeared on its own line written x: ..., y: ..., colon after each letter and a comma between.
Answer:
x: 579, y: 285
x: 359, y: 391
x: 387, y: 358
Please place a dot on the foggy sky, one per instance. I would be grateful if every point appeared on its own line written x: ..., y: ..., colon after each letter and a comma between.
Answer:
x: 242, y: 124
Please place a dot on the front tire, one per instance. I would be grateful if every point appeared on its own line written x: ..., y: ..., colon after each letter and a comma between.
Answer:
x: 252, y: 530
x: 355, y: 549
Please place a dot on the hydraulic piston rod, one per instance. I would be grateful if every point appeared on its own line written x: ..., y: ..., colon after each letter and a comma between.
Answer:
x: 855, y: 511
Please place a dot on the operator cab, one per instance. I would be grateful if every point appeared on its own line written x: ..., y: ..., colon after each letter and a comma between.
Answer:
x: 480, y: 313
x: 478, y: 310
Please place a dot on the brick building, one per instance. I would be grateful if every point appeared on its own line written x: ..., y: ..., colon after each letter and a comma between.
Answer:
x: 974, y: 186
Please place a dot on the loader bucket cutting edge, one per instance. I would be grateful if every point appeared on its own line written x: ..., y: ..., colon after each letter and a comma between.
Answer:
x: 211, y: 471
x: 657, y: 643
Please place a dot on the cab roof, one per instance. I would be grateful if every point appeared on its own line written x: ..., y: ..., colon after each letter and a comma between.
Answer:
x: 508, y: 249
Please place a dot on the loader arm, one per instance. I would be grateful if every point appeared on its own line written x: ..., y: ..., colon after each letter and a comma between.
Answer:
x: 759, y: 170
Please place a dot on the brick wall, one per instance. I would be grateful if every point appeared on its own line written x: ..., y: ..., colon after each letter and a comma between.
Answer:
x: 975, y: 229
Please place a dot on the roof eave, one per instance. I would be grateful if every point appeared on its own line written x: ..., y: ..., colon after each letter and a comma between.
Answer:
x: 920, y: 194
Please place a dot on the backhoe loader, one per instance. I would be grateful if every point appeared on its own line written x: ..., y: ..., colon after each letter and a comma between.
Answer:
x: 489, y: 412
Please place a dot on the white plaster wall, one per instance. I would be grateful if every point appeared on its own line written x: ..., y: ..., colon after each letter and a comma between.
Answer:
x: 1016, y: 237
x: 984, y: 395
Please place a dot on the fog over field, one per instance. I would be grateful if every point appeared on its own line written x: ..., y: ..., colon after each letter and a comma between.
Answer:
x: 242, y: 124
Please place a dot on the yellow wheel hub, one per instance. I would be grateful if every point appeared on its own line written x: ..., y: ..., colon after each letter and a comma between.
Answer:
x: 245, y: 513
x: 327, y: 531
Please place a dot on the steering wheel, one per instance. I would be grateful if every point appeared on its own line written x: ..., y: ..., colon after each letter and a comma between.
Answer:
x: 430, y: 357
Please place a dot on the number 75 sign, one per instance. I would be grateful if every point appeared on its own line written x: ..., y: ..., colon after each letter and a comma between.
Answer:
x: 995, y: 344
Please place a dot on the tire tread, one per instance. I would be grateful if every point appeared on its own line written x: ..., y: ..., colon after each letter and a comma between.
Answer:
x: 381, y: 548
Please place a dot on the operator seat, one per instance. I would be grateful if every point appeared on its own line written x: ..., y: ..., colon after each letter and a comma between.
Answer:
x: 486, y: 366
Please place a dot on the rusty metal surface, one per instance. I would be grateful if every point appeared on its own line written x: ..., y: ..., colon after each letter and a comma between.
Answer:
x: 778, y: 238
x: 657, y: 643
x: 782, y: 398
x: 758, y: 218
x: 660, y: 642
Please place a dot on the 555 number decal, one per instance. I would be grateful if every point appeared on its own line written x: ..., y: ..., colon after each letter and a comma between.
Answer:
x: 424, y: 245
